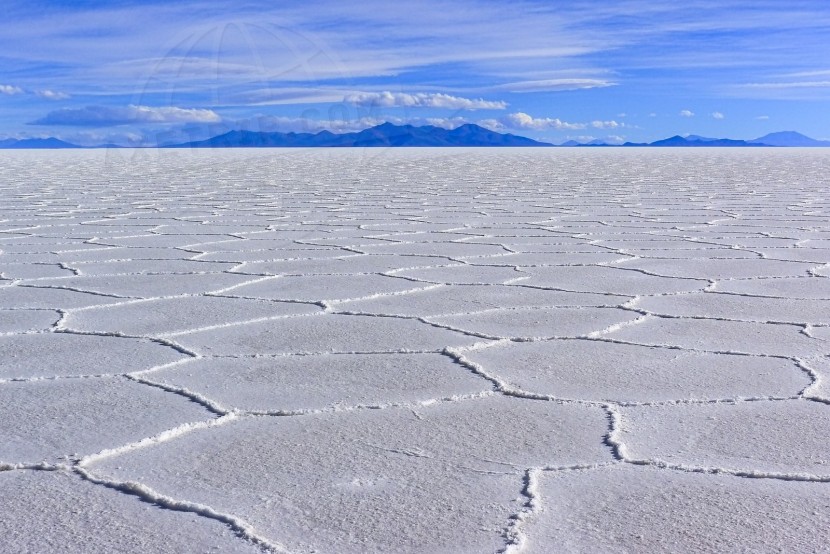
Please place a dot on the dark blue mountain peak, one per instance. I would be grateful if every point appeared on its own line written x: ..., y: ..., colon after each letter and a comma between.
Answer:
x: 36, y: 144
x: 789, y: 138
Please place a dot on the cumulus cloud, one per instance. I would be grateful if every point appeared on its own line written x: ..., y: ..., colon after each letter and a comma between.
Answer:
x: 388, y: 99
x: 521, y: 120
x: 43, y: 93
x: 106, y: 116
x: 10, y: 90
x: 51, y: 94
x: 581, y: 138
x: 554, y: 85
x: 606, y: 124
x: 687, y: 113
x: 446, y: 122
x: 718, y: 115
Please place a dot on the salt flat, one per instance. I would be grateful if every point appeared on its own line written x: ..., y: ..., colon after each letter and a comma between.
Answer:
x: 415, y: 350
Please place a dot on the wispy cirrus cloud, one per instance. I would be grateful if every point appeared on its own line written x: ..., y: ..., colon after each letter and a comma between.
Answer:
x: 275, y: 96
x: 108, y: 116
x: 388, y: 99
x: 806, y: 86
x: 186, y: 42
x: 788, y: 85
x: 554, y: 85
x: 810, y: 73
x: 782, y: 90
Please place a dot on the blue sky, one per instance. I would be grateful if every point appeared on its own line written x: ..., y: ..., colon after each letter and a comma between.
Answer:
x: 151, y: 72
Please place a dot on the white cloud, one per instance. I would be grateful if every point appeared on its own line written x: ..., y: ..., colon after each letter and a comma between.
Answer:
x: 521, y: 120
x: 388, y: 99
x: 268, y: 123
x: 43, y: 93
x: 170, y: 114
x: 553, y: 85
x: 51, y: 94
x: 652, y: 114
x: 310, y: 125
x: 10, y: 90
x: 762, y: 117
x: 94, y: 138
x: 812, y: 73
x: 797, y: 84
x: 718, y: 115
x: 687, y: 113
x: 585, y: 139
x: 289, y: 95
x: 106, y: 116
x: 319, y: 39
x: 606, y: 124
x: 446, y: 122
x: 792, y: 90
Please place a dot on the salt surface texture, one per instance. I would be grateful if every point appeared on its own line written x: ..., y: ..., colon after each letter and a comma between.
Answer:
x: 415, y: 350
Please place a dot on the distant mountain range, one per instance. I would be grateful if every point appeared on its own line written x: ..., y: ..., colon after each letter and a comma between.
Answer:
x: 386, y: 134
x: 790, y: 138
x: 677, y: 140
x: 784, y: 138
x: 389, y: 135
x: 38, y: 143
